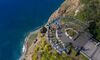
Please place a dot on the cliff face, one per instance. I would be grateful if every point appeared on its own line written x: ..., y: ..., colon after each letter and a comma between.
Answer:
x: 87, y: 11
x: 90, y: 12
x: 70, y: 7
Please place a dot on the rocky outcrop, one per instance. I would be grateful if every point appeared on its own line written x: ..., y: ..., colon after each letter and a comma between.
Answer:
x: 68, y: 8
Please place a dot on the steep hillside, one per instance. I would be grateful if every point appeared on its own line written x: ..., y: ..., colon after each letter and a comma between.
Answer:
x: 91, y: 13
x: 87, y: 11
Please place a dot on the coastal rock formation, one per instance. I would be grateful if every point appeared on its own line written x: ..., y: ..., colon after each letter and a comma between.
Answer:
x: 68, y: 8
x: 86, y: 11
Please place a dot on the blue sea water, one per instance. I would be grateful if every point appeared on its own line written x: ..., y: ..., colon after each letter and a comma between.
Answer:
x: 18, y: 17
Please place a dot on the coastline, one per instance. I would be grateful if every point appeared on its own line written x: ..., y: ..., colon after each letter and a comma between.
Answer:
x: 25, y: 48
x: 52, y: 17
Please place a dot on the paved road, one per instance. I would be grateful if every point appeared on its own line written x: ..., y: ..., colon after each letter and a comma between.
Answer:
x: 96, y: 55
x: 89, y: 48
x: 81, y: 40
x: 92, y: 50
x: 63, y: 37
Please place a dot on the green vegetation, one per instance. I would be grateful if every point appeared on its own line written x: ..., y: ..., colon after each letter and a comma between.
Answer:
x: 91, y: 12
x: 73, y: 23
x: 71, y: 32
x: 32, y: 38
x: 44, y: 51
x: 85, y: 1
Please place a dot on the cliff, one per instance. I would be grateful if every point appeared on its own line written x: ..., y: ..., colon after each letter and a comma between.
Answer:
x: 87, y: 11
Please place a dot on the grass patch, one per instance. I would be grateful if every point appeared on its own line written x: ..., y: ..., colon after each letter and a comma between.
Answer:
x: 71, y: 32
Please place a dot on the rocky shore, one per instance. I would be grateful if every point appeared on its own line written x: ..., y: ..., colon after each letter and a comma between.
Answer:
x: 26, y: 55
x: 27, y: 45
x: 68, y: 8
x: 28, y: 48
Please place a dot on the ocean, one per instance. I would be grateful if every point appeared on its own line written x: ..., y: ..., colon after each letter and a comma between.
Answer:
x: 17, y: 19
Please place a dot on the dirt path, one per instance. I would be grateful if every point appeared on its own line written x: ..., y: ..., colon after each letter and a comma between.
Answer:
x: 28, y: 55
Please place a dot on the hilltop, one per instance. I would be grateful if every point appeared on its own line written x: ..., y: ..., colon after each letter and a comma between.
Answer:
x: 75, y: 22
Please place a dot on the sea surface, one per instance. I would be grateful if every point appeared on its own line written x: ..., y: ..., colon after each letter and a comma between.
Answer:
x: 17, y: 19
